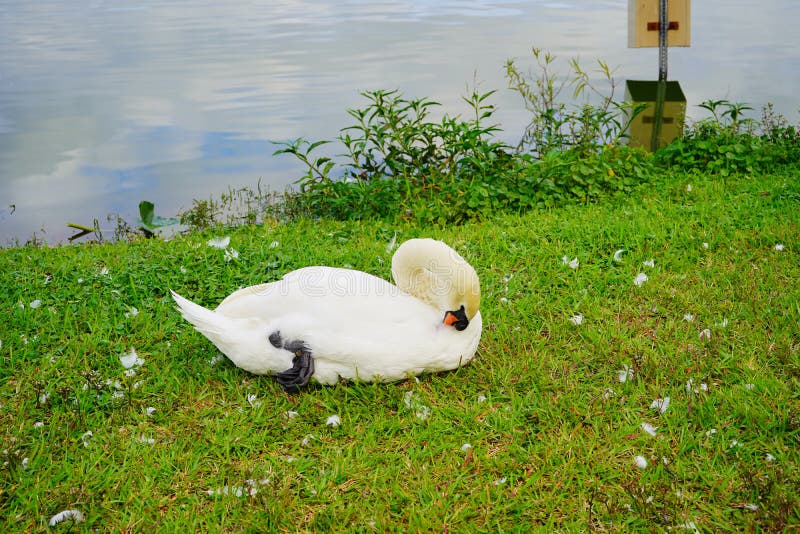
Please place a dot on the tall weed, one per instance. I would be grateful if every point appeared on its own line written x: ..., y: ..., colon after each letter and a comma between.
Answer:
x: 577, y: 123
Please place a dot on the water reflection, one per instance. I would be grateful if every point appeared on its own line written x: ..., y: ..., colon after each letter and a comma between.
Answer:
x: 105, y: 103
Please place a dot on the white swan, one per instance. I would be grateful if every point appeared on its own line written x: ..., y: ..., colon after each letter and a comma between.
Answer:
x: 327, y: 323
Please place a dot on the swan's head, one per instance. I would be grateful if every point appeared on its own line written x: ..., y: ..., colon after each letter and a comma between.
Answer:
x: 432, y: 271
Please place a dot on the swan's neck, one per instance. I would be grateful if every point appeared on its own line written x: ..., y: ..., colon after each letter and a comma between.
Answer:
x: 433, y: 272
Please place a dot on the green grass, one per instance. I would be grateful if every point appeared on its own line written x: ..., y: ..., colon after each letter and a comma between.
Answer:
x: 553, y: 432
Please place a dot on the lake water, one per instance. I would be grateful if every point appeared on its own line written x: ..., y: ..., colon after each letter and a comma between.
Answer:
x: 106, y: 103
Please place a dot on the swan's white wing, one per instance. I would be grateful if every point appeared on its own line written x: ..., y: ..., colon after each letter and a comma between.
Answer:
x: 304, y: 290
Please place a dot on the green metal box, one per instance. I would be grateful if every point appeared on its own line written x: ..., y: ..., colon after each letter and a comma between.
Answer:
x: 640, y: 131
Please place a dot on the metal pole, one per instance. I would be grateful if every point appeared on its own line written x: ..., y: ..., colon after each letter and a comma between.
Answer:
x: 663, y: 25
x: 663, y: 28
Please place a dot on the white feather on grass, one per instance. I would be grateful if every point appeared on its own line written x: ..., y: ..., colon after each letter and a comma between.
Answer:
x: 660, y: 404
x: 573, y: 264
x: 220, y: 242
x: 74, y: 515
x: 131, y: 359
x: 236, y: 491
x: 412, y: 403
x: 231, y: 254
x: 390, y: 246
x: 333, y: 420
x: 216, y: 359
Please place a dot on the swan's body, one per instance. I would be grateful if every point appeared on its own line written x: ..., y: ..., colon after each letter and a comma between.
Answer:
x: 328, y: 323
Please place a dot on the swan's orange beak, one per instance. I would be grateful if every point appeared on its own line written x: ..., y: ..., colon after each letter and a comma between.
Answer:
x: 457, y: 319
x: 450, y: 318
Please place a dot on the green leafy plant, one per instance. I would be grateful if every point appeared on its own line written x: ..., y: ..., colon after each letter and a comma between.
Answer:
x: 153, y: 224
x: 397, y: 155
x: 317, y: 169
x: 726, y: 142
x: 587, y: 176
x: 728, y: 115
x: 592, y: 118
x: 781, y: 139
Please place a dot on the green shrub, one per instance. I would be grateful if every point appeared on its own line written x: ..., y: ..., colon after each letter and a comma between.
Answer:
x: 587, y: 175
x: 395, y: 137
x: 781, y: 139
x: 398, y: 162
x: 726, y: 143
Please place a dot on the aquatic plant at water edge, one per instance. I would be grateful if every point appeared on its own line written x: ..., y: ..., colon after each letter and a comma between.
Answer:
x: 401, y: 164
x: 590, y: 119
x: 396, y: 137
x: 726, y: 142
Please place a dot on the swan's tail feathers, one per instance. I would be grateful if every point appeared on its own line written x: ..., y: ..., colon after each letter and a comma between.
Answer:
x: 207, y: 322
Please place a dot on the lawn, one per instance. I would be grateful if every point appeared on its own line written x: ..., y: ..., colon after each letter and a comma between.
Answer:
x: 655, y: 388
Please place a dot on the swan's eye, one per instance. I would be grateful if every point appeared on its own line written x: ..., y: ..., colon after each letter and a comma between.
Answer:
x: 457, y: 319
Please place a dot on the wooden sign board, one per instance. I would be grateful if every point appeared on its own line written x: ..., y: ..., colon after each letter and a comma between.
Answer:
x: 643, y: 23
